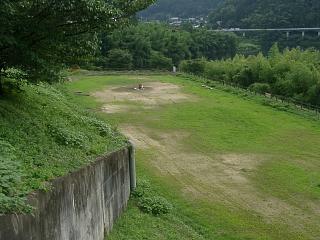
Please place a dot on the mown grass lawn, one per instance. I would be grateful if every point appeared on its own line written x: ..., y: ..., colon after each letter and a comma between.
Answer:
x: 232, y: 168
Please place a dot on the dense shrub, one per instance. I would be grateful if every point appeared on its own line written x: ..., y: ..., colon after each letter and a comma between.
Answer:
x: 294, y: 73
x: 155, y: 205
x: 260, y: 88
x: 11, y: 79
x: 248, y: 49
x: 159, y: 61
x: 119, y: 59
x: 44, y: 135
x: 193, y: 66
x: 155, y: 45
x: 103, y: 128
x: 143, y: 188
x: 11, y: 196
x: 149, y: 201
x: 67, y: 137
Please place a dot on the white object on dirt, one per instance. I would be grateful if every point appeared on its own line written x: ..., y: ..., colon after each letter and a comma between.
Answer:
x: 141, y: 87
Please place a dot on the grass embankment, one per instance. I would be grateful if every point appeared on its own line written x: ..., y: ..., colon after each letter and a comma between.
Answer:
x: 44, y: 136
x: 232, y: 167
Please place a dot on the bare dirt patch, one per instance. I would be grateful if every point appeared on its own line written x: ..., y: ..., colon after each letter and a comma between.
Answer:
x: 154, y: 94
x: 221, y: 178
x: 114, y: 108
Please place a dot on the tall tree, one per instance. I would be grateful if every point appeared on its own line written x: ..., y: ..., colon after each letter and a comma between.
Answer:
x: 42, y: 34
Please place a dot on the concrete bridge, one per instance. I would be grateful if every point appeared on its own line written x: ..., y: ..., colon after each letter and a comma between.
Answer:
x: 286, y: 30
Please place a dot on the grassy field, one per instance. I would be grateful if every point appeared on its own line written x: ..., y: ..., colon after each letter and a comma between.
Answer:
x: 231, y: 167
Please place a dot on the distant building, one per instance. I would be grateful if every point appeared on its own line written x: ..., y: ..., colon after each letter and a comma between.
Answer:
x: 196, y: 22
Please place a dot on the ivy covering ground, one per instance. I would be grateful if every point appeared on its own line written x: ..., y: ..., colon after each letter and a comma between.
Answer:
x: 43, y: 136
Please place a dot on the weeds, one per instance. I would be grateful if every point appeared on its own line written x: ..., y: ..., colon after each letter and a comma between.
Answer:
x: 149, y: 201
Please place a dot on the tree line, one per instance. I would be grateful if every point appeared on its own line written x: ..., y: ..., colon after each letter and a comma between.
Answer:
x: 159, y: 46
x: 42, y: 37
x: 164, y: 9
x: 267, y: 14
x: 294, y: 74
x: 270, y: 14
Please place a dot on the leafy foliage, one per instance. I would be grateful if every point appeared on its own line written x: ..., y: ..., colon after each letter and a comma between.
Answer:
x: 213, y: 45
x: 119, y: 59
x: 11, y: 175
x: 155, y: 205
x: 158, y: 46
x: 66, y: 137
x: 36, y: 35
x: 159, y: 61
x: 103, y: 128
x: 43, y: 136
x: 148, y: 200
x: 11, y: 79
x: 261, y: 88
x: 267, y: 14
x: 293, y: 74
x: 143, y: 188
x: 270, y: 14
x: 164, y: 9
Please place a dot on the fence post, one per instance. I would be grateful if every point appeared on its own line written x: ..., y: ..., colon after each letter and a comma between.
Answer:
x: 132, y: 167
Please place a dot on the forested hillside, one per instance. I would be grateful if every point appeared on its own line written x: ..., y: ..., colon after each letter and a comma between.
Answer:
x: 272, y: 13
x: 164, y: 9
x: 293, y: 74
x: 158, y: 46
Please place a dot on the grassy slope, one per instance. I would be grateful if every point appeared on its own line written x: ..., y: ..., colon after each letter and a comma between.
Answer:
x: 221, y: 122
x: 43, y: 136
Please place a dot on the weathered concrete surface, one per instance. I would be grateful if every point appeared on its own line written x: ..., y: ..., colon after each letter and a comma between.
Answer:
x: 81, y: 206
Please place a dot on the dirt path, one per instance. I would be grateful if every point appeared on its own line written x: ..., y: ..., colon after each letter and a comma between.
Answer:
x: 223, y: 178
x: 154, y: 94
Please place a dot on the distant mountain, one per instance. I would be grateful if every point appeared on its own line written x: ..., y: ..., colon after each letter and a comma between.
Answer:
x: 267, y: 13
x: 164, y: 9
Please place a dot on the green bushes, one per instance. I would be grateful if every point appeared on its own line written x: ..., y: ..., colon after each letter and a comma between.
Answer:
x: 261, y: 88
x: 148, y: 201
x: 43, y: 135
x: 11, y: 79
x: 119, y: 59
x: 155, y: 205
x: 248, y: 49
x: 193, y: 66
x: 10, y: 181
x: 293, y: 74
x: 159, y: 46
x: 66, y: 137
x: 159, y: 61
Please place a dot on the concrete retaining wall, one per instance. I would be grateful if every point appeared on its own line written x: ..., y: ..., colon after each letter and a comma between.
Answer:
x: 81, y: 206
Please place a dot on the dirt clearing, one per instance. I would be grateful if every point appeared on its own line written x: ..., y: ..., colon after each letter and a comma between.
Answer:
x: 154, y: 94
x: 221, y: 178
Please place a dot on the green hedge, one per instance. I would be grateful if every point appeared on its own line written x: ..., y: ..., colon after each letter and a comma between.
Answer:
x: 293, y: 73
